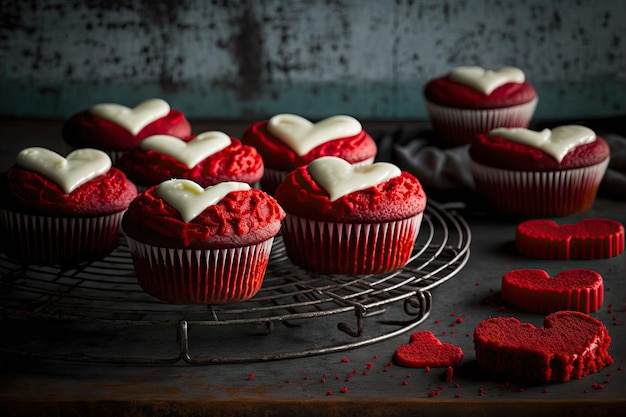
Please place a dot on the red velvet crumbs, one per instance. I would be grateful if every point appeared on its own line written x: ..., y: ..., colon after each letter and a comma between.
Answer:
x: 250, y: 377
x: 457, y: 395
x: 344, y: 390
x: 345, y: 360
x: 449, y: 374
x: 427, y: 369
x: 481, y: 392
x: 329, y: 392
x: 597, y: 386
x: 459, y: 319
x: 405, y: 382
x: 369, y: 365
x: 545, y: 390
x: 375, y: 356
x: 323, y: 380
x: 433, y: 393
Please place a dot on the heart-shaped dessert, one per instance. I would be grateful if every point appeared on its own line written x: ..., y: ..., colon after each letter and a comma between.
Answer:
x: 338, y: 177
x: 190, y: 199
x: 556, y: 142
x: 301, y: 135
x: 485, y: 80
x: 135, y: 119
x: 534, y: 290
x: 189, y: 153
x: 425, y: 350
x: 69, y: 173
x: 570, y: 345
x: 591, y: 238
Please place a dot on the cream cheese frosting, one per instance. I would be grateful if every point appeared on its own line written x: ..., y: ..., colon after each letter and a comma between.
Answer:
x: 485, y: 80
x: 189, y: 153
x: 556, y: 142
x: 338, y: 177
x: 132, y: 119
x: 79, y: 167
x: 301, y: 135
x: 190, y: 199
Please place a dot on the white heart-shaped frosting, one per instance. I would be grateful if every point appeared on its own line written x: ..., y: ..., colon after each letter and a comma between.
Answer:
x: 133, y: 119
x: 485, y: 80
x: 556, y: 142
x: 338, y: 177
x: 190, y: 199
x: 189, y: 153
x: 69, y: 173
x: 301, y: 135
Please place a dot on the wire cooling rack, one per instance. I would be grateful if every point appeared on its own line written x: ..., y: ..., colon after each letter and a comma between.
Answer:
x: 96, y: 312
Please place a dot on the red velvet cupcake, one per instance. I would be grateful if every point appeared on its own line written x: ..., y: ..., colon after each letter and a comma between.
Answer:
x: 350, y: 220
x: 207, y: 159
x: 195, y: 245
x: 116, y: 129
x: 58, y: 210
x: 472, y: 100
x: 570, y: 345
x: 549, y: 173
x: 288, y: 141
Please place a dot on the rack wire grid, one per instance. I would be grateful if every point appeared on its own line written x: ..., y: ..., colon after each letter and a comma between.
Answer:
x: 97, y: 312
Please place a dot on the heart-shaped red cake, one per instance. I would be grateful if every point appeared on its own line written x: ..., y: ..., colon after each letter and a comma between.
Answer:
x: 425, y: 350
x: 588, y: 239
x: 570, y: 345
x: 534, y: 290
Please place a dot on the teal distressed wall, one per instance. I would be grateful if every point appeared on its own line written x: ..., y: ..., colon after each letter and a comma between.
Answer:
x: 247, y: 60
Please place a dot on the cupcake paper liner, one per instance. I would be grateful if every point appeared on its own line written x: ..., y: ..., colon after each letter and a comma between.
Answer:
x: 200, y: 276
x: 459, y: 126
x: 539, y: 193
x: 59, y: 240
x: 348, y: 248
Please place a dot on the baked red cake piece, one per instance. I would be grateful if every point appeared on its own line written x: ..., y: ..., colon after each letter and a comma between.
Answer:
x: 62, y: 210
x: 570, y: 345
x: 425, y: 350
x: 592, y: 238
x: 553, y: 172
x: 534, y: 290
x: 472, y: 100
x: 350, y: 219
x: 289, y: 141
x: 195, y: 245
x: 207, y: 159
x: 115, y: 128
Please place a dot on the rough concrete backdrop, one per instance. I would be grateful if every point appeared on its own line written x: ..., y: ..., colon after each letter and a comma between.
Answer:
x: 251, y: 59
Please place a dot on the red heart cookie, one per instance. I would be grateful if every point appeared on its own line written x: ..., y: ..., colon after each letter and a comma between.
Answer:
x: 570, y: 345
x: 425, y: 350
x: 534, y: 290
x: 588, y: 239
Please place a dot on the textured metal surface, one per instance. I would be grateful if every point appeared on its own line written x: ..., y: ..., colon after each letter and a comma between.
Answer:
x: 104, y: 298
x: 239, y: 59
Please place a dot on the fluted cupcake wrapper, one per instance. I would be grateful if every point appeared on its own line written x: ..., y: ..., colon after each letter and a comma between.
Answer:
x: 200, y: 276
x: 539, y: 193
x: 273, y: 177
x: 460, y: 126
x: 39, y: 239
x: 349, y: 248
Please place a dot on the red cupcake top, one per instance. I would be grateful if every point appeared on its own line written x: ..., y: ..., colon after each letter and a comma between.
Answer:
x: 83, y: 184
x: 477, y: 88
x: 394, y: 196
x: 241, y: 217
x: 519, y: 149
x: 115, y: 127
x: 287, y: 141
x: 208, y: 158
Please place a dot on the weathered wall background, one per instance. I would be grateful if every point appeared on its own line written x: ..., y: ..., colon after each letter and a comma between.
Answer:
x: 250, y: 59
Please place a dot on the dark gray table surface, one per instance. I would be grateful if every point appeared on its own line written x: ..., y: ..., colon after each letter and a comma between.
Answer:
x: 333, y: 383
